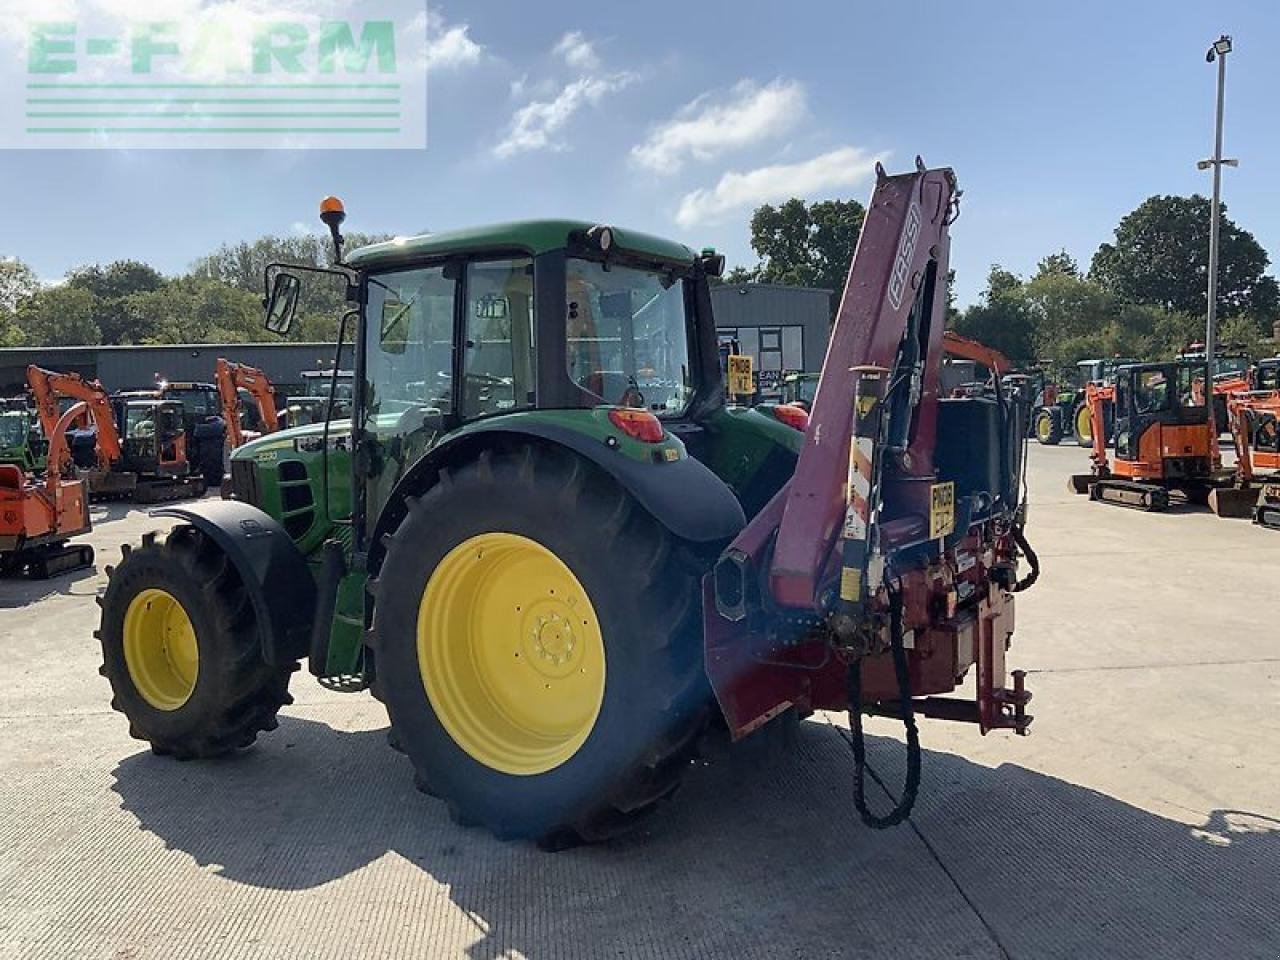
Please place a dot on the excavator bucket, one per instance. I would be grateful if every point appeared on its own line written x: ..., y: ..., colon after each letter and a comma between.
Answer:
x: 1233, y: 502
x: 1080, y: 482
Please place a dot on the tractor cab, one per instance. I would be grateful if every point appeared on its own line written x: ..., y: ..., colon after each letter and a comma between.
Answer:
x: 799, y: 389
x: 312, y: 405
x: 1100, y: 371
x: 22, y: 442
x: 1160, y: 420
x: 1266, y: 375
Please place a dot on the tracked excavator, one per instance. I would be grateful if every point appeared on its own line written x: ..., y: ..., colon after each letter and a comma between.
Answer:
x: 140, y: 444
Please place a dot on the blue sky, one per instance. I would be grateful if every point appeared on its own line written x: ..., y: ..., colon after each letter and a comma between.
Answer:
x: 678, y: 118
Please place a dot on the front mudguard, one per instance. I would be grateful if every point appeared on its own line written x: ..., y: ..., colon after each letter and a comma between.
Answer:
x: 274, y: 571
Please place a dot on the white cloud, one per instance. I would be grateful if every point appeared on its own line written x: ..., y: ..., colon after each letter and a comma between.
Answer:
x: 577, y: 51
x: 449, y: 46
x: 705, y: 129
x: 735, y: 191
x: 534, y: 126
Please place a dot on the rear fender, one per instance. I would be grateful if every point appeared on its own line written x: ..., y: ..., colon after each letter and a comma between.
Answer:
x: 274, y: 571
x: 684, y: 496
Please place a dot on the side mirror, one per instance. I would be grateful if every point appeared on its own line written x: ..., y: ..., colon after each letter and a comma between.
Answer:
x: 282, y: 304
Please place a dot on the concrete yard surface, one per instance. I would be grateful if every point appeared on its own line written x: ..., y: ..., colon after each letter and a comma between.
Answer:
x: 1140, y: 819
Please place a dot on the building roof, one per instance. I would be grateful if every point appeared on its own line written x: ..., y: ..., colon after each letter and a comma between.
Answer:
x: 100, y: 347
x: 534, y: 236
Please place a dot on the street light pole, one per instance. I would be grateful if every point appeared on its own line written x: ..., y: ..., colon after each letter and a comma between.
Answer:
x: 1218, y: 51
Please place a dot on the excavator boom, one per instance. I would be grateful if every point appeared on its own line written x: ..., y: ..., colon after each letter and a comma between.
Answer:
x: 47, y: 386
x: 232, y: 377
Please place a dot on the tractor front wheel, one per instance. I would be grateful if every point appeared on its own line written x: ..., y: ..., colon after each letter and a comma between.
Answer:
x: 537, y: 642
x: 181, y: 650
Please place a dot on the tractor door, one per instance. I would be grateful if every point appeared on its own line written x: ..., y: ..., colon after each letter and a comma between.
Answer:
x: 407, y: 373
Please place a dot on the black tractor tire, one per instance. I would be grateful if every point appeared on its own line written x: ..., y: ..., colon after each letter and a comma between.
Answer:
x: 1082, y: 438
x: 1048, y: 428
x: 645, y: 588
x: 236, y: 693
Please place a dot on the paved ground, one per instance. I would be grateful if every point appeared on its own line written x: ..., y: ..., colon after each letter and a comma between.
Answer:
x: 1142, y: 818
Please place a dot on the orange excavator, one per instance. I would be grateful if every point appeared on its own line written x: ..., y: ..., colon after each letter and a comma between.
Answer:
x: 1253, y: 416
x: 980, y: 353
x: 147, y: 463
x: 38, y: 516
x: 233, y: 377
x: 1164, y: 440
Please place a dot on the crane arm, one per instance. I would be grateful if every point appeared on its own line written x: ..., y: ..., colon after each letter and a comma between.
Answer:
x: 232, y: 377
x: 967, y: 349
x: 47, y: 386
x: 891, y: 318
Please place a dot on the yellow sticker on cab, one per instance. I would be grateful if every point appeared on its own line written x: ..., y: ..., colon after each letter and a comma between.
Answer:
x: 942, y: 509
x: 741, y: 382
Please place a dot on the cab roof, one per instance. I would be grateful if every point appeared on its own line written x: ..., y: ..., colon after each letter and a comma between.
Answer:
x: 532, y: 236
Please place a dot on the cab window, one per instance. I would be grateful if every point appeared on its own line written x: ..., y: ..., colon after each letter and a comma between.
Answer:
x: 498, y: 360
x: 1151, y: 393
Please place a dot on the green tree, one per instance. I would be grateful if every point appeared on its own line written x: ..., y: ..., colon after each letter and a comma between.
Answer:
x: 58, y: 317
x: 1057, y: 263
x: 241, y: 265
x: 806, y: 245
x: 1161, y: 256
x: 195, y: 310
x: 111, y: 287
x: 17, y: 281
x: 1002, y: 318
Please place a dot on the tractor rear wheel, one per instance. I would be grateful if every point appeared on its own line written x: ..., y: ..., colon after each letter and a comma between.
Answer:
x: 1048, y: 428
x: 537, y: 642
x: 181, y: 649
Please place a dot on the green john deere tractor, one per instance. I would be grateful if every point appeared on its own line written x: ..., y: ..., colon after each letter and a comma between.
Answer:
x: 539, y: 450
x: 22, y: 442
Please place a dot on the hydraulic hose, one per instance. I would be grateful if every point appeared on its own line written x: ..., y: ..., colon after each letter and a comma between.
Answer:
x: 907, y: 801
x: 1034, y: 573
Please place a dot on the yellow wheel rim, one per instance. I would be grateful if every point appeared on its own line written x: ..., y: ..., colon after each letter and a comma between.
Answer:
x: 1042, y: 428
x: 160, y: 649
x: 511, y: 653
x: 1083, y: 424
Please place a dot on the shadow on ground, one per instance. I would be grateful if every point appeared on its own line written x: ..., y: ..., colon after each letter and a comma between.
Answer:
x: 769, y: 861
x: 20, y: 592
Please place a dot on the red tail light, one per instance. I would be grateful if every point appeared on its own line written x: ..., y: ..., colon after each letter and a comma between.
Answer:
x: 792, y: 416
x: 638, y: 424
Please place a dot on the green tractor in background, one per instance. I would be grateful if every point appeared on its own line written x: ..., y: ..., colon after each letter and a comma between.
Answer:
x: 22, y: 442
x: 539, y: 449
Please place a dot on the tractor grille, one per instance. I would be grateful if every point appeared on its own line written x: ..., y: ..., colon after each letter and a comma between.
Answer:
x: 244, y: 482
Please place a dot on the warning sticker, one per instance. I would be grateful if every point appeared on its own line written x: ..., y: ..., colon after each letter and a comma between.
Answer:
x: 942, y: 509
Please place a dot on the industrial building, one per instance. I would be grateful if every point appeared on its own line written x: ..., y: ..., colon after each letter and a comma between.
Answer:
x: 781, y: 328
x: 139, y: 367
